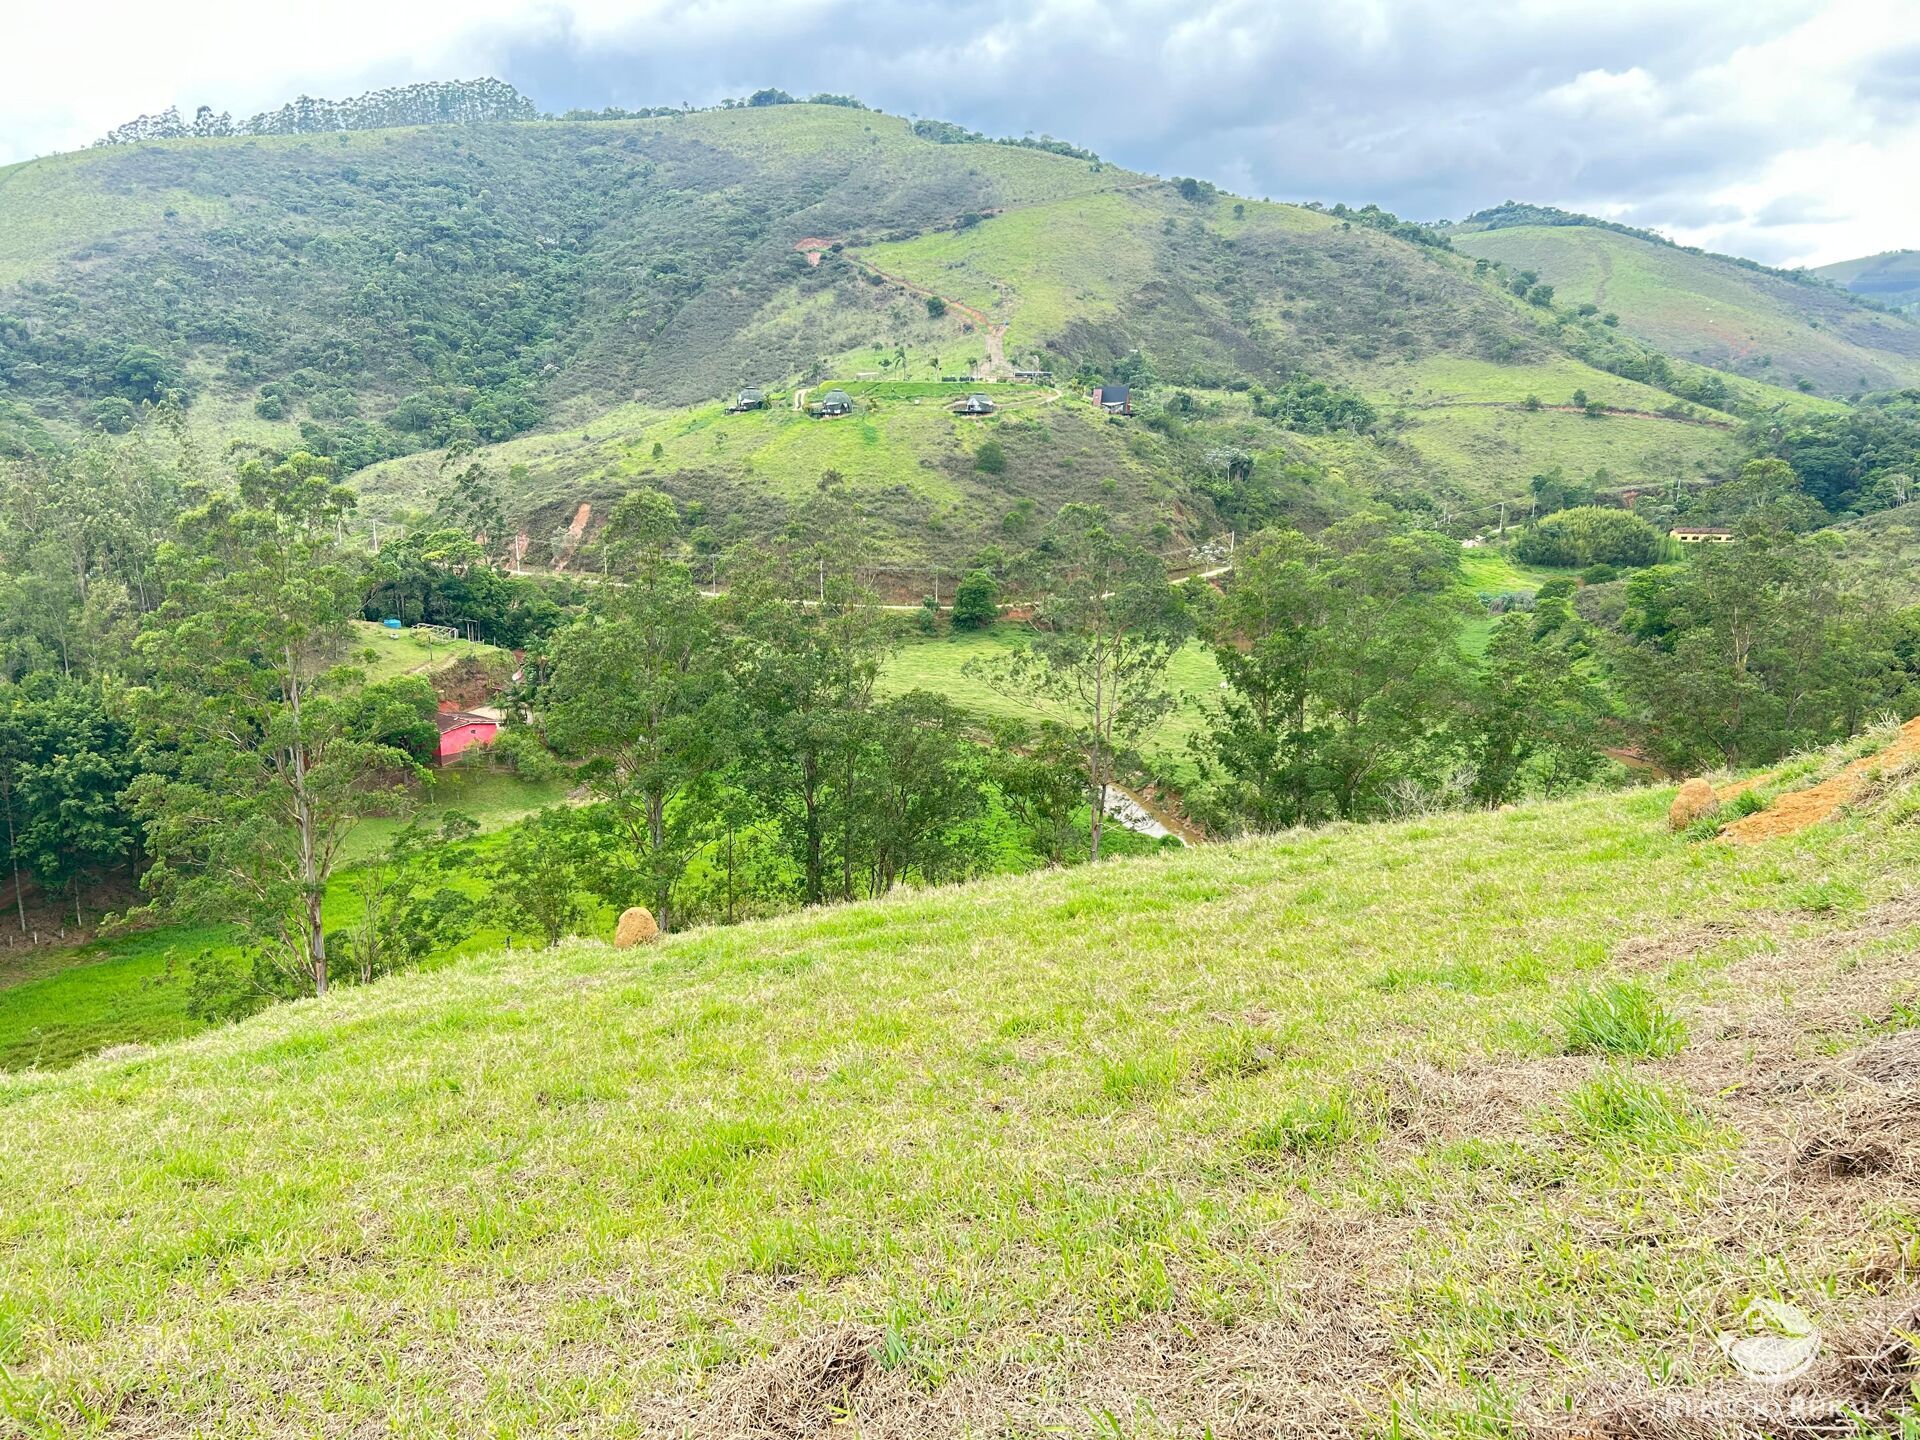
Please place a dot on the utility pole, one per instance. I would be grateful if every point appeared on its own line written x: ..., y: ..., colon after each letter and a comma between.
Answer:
x: 1503, y: 520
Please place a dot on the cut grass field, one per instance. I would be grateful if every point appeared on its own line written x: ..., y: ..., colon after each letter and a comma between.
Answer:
x: 1487, y: 572
x: 940, y: 664
x: 383, y: 654
x: 1393, y: 1130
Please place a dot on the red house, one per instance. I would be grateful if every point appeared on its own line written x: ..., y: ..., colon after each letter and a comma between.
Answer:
x: 461, y: 730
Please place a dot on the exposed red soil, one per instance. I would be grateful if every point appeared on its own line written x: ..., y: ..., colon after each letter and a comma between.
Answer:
x: 1798, y: 809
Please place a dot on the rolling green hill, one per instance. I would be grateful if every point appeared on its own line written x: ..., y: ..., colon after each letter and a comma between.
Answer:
x: 1388, y: 1130
x: 1893, y: 277
x: 566, y: 296
x: 1742, y: 319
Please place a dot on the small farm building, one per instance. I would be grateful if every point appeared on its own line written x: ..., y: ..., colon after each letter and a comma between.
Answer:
x: 461, y: 730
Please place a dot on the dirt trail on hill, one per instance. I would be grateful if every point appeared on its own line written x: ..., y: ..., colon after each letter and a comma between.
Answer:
x: 996, y: 367
x: 576, y: 530
x: 1611, y: 412
x: 1797, y: 810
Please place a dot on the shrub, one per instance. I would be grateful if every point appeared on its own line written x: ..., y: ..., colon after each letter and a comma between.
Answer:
x: 990, y: 458
x: 1621, y: 1017
x: 976, y: 603
x: 936, y: 307
x: 1314, y: 407
x: 114, y: 414
x: 1590, y: 535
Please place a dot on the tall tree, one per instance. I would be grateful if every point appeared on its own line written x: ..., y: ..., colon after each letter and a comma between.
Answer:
x: 1103, y: 637
x: 927, y: 786
x: 1533, y: 711
x: 1342, y: 661
x: 639, y: 686
x: 265, y: 722
x: 812, y: 639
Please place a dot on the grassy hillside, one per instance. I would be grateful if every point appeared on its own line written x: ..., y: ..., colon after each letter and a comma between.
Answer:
x: 1213, y: 299
x: 912, y: 463
x: 1701, y: 308
x: 493, y: 272
x: 1893, y: 277
x: 1316, y: 1134
x: 568, y: 296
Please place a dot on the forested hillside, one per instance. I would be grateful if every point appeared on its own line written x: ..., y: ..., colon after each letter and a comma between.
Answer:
x: 590, y: 294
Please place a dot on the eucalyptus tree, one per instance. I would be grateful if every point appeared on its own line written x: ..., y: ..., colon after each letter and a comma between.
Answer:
x: 262, y: 722
x: 1103, y: 637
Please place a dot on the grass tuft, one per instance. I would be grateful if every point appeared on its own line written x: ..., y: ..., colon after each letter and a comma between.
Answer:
x: 1621, y: 1017
x: 1618, y: 1107
x: 1312, y: 1125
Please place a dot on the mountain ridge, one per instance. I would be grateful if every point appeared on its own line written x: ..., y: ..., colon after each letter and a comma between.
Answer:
x: 385, y: 296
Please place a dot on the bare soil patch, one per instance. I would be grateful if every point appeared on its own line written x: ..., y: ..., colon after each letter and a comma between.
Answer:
x: 1798, y: 809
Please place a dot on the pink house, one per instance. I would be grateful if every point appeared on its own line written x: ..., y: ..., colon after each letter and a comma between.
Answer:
x: 461, y: 730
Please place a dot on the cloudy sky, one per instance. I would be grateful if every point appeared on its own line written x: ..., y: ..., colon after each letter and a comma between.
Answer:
x: 1787, y: 130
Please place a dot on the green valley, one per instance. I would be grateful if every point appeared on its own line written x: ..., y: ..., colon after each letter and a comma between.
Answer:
x: 749, y: 767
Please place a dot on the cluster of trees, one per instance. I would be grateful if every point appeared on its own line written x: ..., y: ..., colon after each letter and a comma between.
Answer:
x: 1858, y: 461
x: 1315, y: 407
x: 1591, y: 535
x: 67, y: 755
x: 1755, y: 648
x: 743, y: 757
x: 1349, y: 694
x: 439, y: 102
